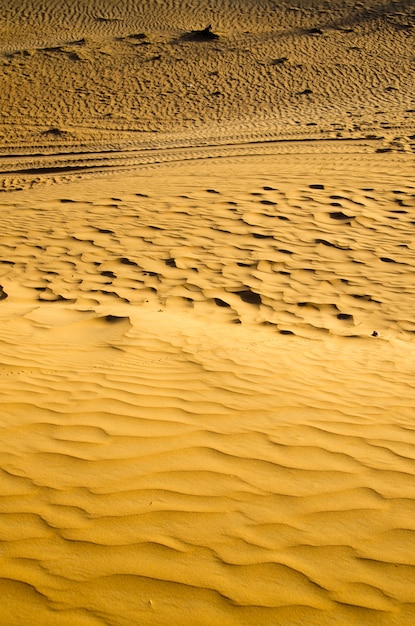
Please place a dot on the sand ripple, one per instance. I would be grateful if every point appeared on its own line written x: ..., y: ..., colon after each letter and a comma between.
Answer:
x: 197, y: 421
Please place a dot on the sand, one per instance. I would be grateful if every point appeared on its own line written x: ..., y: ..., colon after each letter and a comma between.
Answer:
x: 206, y: 314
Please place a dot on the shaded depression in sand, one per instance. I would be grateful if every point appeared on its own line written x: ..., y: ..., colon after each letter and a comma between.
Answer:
x: 198, y: 423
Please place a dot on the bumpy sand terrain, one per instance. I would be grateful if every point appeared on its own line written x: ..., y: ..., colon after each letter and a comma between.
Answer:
x: 207, y: 262
x: 110, y: 76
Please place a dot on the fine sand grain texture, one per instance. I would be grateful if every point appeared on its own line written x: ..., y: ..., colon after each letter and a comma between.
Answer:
x: 207, y: 295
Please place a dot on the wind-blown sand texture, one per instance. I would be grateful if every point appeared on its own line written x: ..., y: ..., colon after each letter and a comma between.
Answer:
x: 207, y: 392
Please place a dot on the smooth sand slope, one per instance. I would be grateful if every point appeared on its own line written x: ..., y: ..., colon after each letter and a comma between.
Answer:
x: 206, y: 332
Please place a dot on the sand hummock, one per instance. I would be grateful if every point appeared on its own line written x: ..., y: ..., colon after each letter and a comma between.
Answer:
x: 207, y: 313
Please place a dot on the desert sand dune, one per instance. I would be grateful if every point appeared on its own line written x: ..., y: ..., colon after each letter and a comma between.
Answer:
x: 163, y: 463
x: 125, y: 73
x: 206, y: 313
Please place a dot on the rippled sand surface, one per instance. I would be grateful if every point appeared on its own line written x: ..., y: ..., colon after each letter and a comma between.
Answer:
x: 207, y: 395
x: 207, y: 262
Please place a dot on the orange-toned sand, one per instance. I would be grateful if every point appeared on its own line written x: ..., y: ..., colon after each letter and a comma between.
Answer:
x: 207, y: 374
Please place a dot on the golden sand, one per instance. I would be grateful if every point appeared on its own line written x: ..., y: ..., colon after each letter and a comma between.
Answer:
x: 207, y: 392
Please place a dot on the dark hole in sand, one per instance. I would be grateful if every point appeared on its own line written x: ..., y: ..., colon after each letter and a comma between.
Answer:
x: 221, y: 303
x: 338, y: 215
x: 249, y: 296
x: 126, y: 261
x: 114, y: 319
